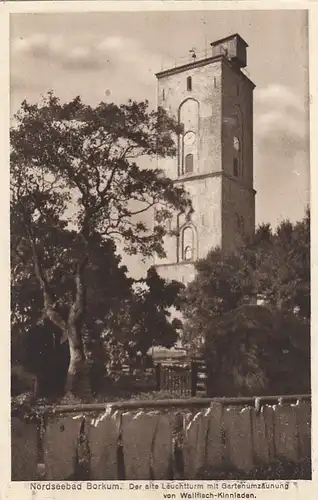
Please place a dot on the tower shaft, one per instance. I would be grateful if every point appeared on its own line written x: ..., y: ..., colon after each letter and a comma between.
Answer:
x: 213, y: 99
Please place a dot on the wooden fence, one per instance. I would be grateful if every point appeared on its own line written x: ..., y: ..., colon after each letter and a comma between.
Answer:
x: 176, y: 380
x: 177, y: 439
x: 184, y: 380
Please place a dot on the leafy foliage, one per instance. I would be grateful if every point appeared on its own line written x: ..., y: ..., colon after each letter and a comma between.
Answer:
x: 274, y: 266
x: 35, y: 340
x: 143, y: 320
x: 256, y: 351
x: 122, y: 320
x: 76, y: 186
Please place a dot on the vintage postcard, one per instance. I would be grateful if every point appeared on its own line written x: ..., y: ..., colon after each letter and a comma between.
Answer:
x: 160, y: 158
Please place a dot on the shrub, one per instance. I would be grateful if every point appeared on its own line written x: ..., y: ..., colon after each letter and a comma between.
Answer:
x: 254, y: 351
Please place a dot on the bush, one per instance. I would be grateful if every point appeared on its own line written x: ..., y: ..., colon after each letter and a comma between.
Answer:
x: 21, y: 381
x: 256, y: 351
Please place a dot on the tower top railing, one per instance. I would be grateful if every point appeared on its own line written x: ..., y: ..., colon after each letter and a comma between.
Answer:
x: 193, y: 56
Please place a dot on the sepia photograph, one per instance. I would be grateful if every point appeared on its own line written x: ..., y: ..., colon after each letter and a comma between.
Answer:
x: 160, y: 249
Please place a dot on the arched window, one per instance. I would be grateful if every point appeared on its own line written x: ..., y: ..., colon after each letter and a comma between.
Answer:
x: 238, y: 144
x: 188, y: 116
x: 189, y: 83
x: 187, y: 243
x: 188, y: 163
x: 236, y: 159
x: 188, y: 253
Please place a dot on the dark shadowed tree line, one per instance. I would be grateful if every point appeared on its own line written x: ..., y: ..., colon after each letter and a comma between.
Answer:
x: 252, y: 349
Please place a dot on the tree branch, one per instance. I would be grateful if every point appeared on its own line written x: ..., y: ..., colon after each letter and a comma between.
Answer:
x: 144, y: 209
x: 49, y: 309
x: 110, y: 180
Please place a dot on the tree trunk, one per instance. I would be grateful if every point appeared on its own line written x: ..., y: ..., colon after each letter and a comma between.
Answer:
x: 78, y: 374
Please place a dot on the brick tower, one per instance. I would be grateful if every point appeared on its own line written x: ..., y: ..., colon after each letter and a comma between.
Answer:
x: 213, y: 99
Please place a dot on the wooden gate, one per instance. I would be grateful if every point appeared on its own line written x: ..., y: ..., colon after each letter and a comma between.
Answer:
x: 186, y: 380
x: 175, y: 379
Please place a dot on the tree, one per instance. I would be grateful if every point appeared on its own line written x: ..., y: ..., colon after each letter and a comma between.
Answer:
x: 275, y: 266
x: 75, y: 171
x: 151, y: 312
x: 281, y: 270
x: 123, y: 317
x: 144, y: 320
x: 257, y: 351
x: 35, y: 339
x: 293, y: 266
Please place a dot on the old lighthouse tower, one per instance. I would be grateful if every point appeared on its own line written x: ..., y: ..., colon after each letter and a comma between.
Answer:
x: 213, y: 99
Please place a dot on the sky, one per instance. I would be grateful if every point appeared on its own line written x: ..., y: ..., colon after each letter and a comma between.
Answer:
x: 114, y: 56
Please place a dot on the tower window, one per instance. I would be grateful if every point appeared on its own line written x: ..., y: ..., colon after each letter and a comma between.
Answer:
x: 188, y: 168
x: 235, y: 167
x: 163, y: 94
x: 187, y: 242
x: 187, y: 253
x: 189, y: 83
x: 236, y: 143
